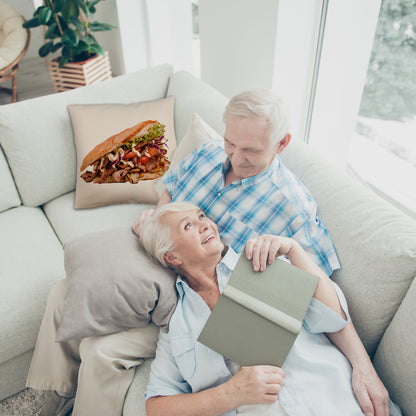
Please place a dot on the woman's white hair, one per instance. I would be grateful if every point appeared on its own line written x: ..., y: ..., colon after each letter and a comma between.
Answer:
x: 156, y: 235
x: 261, y: 104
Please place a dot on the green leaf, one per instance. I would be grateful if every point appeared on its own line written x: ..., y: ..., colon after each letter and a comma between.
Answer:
x: 66, y: 52
x: 62, y: 61
x: 70, y: 37
x: 77, y: 23
x: 57, y: 46
x: 44, y: 15
x: 100, y: 27
x: 45, y: 49
x: 70, y: 9
x: 96, y: 48
x: 81, y: 4
x: 34, y: 22
x: 58, y: 5
x: 52, y: 32
x: 82, y: 47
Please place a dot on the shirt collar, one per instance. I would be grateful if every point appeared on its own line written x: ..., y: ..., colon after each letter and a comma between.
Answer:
x: 252, y: 180
x: 224, y: 269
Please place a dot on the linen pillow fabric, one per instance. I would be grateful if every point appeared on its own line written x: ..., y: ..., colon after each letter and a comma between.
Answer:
x: 198, y: 132
x: 92, y: 124
x: 113, y: 285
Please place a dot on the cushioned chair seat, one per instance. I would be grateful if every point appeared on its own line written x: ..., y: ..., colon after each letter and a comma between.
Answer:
x: 32, y: 255
x: 14, y: 41
x: 69, y: 223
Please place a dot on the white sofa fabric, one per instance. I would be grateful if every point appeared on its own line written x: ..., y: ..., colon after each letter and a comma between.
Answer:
x: 375, y: 242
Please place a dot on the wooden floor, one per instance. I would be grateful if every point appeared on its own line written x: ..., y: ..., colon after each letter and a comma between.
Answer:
x: 33, y: 80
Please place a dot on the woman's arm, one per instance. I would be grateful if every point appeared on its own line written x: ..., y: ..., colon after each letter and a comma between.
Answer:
x: 250, y: 385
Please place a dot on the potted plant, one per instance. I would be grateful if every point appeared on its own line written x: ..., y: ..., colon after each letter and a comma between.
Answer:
x: 68, y: 32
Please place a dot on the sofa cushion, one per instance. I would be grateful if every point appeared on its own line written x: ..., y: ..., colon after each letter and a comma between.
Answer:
x: 134, y: 404
x: 31, y: 261
x: 394, y: 359
x: 9, y: 196
x: 93, y: 124
x: 374, y: 241
x: 69, y: 223
x: 113, y: 286
x: 195, y: 96
x: 42, y: 147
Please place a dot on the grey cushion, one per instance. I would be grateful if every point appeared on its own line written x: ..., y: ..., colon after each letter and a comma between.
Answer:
x: 31, y: 260
x: 394, y: 359
x: 9, y: 196
x: 39, y: 178
x: 113, y: 286
x: 375, y: 242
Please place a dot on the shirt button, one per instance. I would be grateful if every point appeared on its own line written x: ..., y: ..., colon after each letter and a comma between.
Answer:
x: 219, y: 194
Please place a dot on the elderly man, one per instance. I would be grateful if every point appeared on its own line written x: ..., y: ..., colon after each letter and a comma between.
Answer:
x: 243, y: 186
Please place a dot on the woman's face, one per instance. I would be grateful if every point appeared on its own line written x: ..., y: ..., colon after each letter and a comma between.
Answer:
x: 195, y: 236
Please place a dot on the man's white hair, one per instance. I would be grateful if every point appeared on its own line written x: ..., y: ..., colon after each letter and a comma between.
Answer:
x: 261, y: 104
x: 156, y: 235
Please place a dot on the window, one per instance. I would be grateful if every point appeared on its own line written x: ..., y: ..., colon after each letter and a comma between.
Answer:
x: 383, y: 147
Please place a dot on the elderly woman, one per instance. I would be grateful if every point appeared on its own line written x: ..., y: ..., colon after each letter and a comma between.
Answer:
x: 188, y: 378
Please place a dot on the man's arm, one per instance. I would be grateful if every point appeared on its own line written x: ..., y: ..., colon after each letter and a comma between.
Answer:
x: 368, y: 388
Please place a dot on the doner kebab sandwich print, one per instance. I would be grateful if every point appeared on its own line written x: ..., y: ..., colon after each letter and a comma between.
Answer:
x: 135, y: 154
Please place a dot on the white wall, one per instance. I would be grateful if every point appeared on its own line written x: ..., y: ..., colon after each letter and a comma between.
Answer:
x: 170, y: 33
x: 238, y: 42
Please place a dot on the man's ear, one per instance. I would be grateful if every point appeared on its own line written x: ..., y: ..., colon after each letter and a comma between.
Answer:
x: 170, y: 258
x: 283, y: 143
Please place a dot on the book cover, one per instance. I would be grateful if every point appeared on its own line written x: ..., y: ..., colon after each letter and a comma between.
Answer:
x: 259, y: 314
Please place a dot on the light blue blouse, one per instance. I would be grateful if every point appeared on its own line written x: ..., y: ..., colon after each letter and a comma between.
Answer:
x: 317, y: 375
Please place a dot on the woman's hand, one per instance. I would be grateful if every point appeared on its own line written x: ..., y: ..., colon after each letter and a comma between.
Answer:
x: 264, y: 249
x: 141, y: 219
x: 255, y: 385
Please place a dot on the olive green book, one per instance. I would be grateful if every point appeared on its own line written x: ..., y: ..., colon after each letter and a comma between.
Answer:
x: 259, y: 314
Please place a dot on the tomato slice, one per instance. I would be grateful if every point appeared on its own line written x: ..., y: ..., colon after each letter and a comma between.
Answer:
x: 129, y: 155
x: 144, y: 159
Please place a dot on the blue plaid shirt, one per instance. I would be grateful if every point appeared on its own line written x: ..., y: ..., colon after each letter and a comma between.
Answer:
x: 272, y: 202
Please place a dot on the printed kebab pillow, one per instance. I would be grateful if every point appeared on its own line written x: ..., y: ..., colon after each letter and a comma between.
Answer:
x: 121, y: 150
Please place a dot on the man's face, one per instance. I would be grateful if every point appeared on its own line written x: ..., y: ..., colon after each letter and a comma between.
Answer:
x: 195, y: 236
x: 247, y: 146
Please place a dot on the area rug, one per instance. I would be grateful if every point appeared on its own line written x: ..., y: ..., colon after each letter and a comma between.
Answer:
x: 26, y: 403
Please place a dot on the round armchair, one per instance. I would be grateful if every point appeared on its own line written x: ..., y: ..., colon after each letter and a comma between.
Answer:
x: 14, y: 42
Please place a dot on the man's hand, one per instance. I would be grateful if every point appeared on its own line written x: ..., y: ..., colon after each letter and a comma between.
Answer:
x: 371, y: 394
x: 255, y: 385
x: 141, y: 219
x: 264, y: 249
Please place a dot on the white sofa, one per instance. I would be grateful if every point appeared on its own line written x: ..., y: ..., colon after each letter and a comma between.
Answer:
x: 376, y: 244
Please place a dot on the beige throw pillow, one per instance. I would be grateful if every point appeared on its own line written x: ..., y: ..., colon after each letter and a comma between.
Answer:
x: 93, y: 124
x: 199, y: 132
